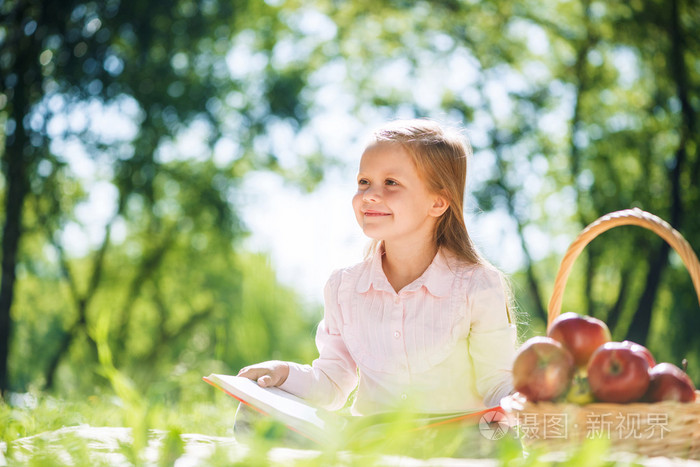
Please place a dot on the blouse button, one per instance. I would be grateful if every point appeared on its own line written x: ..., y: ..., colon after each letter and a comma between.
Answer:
x: 397, y: 334
x: 397, y: 299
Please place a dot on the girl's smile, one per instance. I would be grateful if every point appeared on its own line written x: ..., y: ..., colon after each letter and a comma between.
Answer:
x: 372, y: 213
x: 392, y: 202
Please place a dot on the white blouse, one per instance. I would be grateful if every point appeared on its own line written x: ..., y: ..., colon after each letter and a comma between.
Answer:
x: 445, y: 343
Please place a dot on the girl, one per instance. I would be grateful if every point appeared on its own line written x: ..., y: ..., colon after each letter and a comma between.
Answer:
x: 424, y: 320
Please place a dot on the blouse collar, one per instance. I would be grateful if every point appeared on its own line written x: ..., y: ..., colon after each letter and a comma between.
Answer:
x: 436, y: 278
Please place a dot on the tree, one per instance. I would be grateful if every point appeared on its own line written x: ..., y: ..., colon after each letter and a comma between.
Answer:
x: 162, y: 64
x: 629, y: 145
x: 581, y: 108
x: 576, y: 108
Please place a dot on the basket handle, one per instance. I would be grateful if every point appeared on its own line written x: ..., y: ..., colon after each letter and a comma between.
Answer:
x: 633, y: 216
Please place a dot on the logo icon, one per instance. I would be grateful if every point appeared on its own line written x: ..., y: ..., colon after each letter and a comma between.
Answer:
x: 494, y: 425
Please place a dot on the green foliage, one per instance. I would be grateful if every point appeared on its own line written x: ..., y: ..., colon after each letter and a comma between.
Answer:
x: 576, y: 109
x: 580, y: 109
x: 221, y: 315
x: 165, y: 263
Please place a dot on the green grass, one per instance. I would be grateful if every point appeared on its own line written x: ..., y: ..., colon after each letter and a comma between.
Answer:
x: 44, y: 413
x: 161, y: 433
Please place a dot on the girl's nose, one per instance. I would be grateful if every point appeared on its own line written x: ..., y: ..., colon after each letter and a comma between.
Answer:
x: 370, y: 195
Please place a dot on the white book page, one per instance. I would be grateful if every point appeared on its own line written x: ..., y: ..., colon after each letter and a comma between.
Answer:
x: 277, y: 402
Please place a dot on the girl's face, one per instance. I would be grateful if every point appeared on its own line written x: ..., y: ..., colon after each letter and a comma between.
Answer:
x: 392, y: 202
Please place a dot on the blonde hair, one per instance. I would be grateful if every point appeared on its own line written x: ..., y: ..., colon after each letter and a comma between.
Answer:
x: 440, y: 155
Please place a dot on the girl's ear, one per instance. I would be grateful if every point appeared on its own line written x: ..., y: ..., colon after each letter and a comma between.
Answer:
x: 439, y: 206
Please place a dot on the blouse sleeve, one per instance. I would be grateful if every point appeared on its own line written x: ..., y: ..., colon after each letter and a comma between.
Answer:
x: 330, y: 379
x: 492, y: 337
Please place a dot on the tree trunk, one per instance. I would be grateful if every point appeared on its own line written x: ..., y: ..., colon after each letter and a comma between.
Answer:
x: 14, y: 168
x: 639, y: 329
x: 15, y: 176
x: 63, y: 347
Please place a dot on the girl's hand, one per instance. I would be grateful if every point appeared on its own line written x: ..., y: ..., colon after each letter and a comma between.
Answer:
x: 267, y: 374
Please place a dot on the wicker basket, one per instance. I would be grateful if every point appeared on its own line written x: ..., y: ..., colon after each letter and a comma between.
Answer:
x: 669, y: 429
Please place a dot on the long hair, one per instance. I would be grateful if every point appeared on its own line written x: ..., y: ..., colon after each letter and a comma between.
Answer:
x: 440, y: 155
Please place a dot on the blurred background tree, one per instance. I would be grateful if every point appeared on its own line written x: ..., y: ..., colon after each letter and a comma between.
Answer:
x: 574, y: 108
x: 163, y: 258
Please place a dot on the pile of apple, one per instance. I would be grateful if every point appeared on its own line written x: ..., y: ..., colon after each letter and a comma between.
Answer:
x: 577, y: 362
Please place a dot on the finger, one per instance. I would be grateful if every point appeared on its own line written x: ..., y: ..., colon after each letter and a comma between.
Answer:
x: 253, y: 372
x: 265, y: 381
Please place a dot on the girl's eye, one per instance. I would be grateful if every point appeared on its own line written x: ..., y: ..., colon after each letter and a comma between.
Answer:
x: 363, y: 181
x: 390, y: 182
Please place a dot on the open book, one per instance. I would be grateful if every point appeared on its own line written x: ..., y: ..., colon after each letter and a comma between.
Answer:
x: 326, y: 427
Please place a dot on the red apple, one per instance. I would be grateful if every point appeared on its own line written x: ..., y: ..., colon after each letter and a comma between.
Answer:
x: 581, y: 335
x: 542, y: 369
x: 642, y: 350
x: 616, y: 373
x: 669, y: 383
